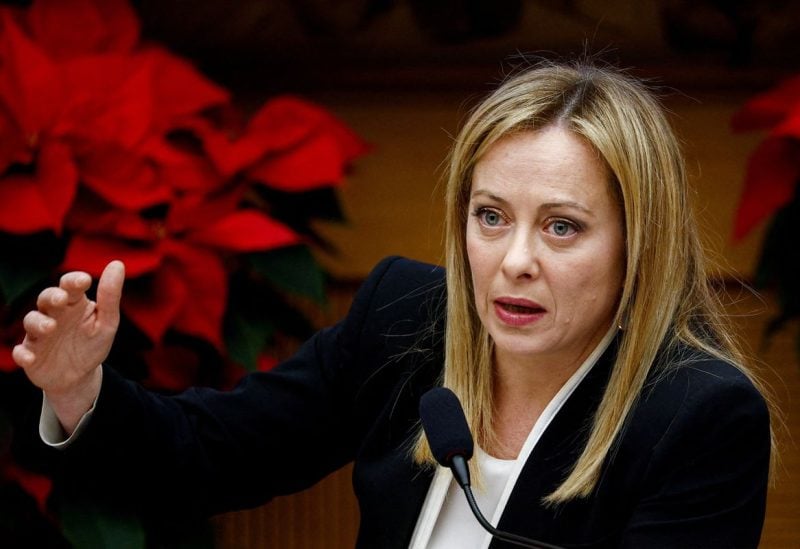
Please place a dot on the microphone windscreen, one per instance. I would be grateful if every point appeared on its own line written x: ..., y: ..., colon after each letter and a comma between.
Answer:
x: 445, y: 425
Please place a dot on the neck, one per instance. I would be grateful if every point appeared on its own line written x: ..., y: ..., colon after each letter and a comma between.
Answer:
x: 523, y: 387
x: 520, y: 396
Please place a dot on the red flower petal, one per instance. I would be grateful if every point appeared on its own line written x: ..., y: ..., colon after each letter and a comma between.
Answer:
x: 772, y: 174
x: 790, y: 126
x: 89, y: 218
x: 207, y: 284
x: 193, y: 210
x: 110, y: 100
x: 92, y: 254
x: 22, y: 206
x: 39, y: 202
x: 769, y: 108
x: 31, y: 86
x: 7, y: 363
x: 36, y: 485
x: 181, y: 170
x: 280, y: 124
x: 228, y: 154
x: 318, y: 152
x: 172, y: 368
x: 14, y: 148
x: 123, y: 178
x: 179, y: 88
x: 350, y: 144
x: 245, y: 231
x: 68, y: 28
x: 154, y: 307
x: 284, y: 121
x: 58, y: 177
x: 317, y: 162
x: 266, y: 363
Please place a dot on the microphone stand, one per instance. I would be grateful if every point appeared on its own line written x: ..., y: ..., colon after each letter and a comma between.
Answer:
x: 451, y: 444
x: 461, y: 473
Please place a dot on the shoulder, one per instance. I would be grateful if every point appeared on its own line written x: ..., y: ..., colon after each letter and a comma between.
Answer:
x: 398, y: 278
x: 392, y: 340
x: 692, y: 379
x: 401, y: 290
x: 400, y: 306
x: 694, y: 400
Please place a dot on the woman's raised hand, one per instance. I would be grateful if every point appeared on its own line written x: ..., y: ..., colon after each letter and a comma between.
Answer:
x: 68, y: 337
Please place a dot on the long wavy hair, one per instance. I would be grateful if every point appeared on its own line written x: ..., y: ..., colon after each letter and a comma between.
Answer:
x: 667, y: 297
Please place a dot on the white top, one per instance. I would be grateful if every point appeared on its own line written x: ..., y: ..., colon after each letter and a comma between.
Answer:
x: 456, y: 526
x: 446, y: 520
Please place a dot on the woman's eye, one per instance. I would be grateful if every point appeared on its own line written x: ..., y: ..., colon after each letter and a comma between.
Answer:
x: 560, y: 227
x: 490, y: 218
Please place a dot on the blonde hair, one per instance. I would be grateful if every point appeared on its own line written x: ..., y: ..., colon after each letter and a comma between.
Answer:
x: 666, y: 298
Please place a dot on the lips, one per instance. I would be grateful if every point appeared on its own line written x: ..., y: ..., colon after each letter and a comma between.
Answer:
x: 518, y: 312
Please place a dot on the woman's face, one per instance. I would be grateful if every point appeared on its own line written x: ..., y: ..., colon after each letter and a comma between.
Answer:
x: 546, y: 247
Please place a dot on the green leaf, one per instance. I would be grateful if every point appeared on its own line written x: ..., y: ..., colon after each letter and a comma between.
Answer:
x: 294, y: 270
x: 18, y: 277
x: 88, y: 526
x: 245, y: 339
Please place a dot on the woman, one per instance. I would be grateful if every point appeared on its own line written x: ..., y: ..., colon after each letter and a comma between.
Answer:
x: 608, y: 401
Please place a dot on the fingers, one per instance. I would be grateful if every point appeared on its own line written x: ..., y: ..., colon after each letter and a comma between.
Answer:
x: 75, y: 284
x: 109, y: 293
x: 52, y: 298
x: 23, y: 356
x: 71, y: 289
x: 37, y: 324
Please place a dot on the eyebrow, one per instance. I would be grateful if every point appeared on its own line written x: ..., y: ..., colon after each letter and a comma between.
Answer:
x: 489, y: 195
x: 546, y: 205
x: 566, y: 204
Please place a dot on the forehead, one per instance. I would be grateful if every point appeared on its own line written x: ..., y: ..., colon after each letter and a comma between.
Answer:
x: 552, y: 159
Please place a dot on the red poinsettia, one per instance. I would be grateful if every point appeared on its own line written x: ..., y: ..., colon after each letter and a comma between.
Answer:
x: 288, y: 144
x: 774, y: 168
x: 98, y: 130
x: 97, y: 119
x: 183, y: 254
x: 115, y: 148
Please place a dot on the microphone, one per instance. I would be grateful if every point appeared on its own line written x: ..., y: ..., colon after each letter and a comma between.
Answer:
x: 451, y: 443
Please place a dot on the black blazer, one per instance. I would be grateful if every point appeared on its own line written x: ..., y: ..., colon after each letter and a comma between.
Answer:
x: 689, y: 469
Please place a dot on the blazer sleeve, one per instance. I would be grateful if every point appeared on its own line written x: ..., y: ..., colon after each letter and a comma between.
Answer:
x: 707, y: 476
x: 207, y: 451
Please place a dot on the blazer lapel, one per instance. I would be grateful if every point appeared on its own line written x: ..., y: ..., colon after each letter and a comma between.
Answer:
x: 553, y: 458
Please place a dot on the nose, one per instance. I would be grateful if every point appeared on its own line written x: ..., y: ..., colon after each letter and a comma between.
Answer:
x: 521, y: 260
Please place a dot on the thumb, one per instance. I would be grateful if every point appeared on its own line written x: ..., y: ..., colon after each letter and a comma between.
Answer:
x: 109, y: 293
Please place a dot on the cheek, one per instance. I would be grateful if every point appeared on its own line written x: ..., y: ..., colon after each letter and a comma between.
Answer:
x: 476, y: 254
x: 476, y: 265
x: 592, y: 281
x: 481, y: 265
x: 607, y: 282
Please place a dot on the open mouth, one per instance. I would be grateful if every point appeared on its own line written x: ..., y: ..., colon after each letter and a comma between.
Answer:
x: 517, y: 314
x: 520, y: 309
